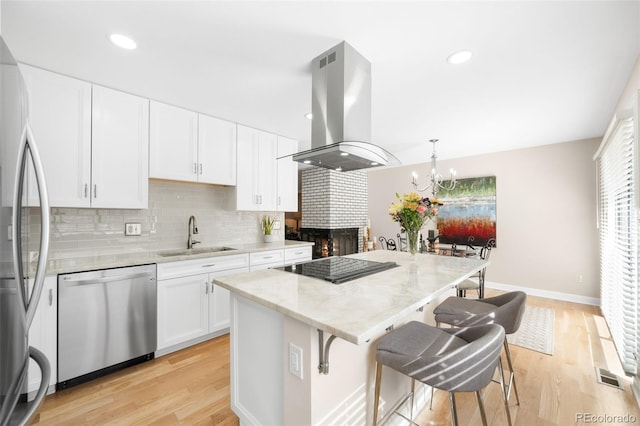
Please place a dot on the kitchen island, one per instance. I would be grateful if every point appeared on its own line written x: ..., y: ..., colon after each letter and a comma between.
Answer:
x: 285, y: 367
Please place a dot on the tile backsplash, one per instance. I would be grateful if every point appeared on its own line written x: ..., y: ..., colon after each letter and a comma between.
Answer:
x: 92, y: 232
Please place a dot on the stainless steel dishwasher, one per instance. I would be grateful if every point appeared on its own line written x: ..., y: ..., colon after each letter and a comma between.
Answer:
x: 106, y: 321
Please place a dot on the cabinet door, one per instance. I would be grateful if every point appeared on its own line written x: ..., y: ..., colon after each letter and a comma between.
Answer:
x: 120, y: 150
x: 256, y: 170
x: 267, y: 176
x: 219, y: 312
x: 287, y: 176
x: 173, y: 143
x: 247, y: 197
x: 183, y: 309
x: 216, y: 151
x: 43, y: 333
x: 60, y: 117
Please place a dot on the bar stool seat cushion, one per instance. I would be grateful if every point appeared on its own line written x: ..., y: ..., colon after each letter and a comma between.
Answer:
x: 506, y: 309
x: 460, y: 311
x: 441, y: 357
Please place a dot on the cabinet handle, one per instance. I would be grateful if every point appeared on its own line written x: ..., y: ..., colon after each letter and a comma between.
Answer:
x: 209, y: 265
x: 195, y: 168
x: 95, y: 190
x: 50, y: 297
x: 211, y: 287
x: 257, y: 202
x: 267, y: 257
x: 279, y: 200
x: 260, y: 198
x: 206, y: 288
x: 86, y: 190
x: 200, y: 168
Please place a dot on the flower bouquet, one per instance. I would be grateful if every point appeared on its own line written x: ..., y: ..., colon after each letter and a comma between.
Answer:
x: 412, y: 211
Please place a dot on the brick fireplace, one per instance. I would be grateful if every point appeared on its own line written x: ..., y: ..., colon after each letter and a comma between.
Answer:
x: 334, y: 210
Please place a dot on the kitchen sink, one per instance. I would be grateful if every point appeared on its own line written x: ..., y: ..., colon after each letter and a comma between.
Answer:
x: 199, y: 250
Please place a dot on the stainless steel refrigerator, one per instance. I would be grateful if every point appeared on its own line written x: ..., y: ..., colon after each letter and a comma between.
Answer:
x: 24, y: 244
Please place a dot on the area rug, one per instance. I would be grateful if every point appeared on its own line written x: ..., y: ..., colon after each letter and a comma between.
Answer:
x: 536, y: 330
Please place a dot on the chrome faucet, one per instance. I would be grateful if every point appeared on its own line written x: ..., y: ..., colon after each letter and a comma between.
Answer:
x: 193, y: 229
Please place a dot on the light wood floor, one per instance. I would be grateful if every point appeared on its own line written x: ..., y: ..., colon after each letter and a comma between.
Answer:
x: 192, y: 386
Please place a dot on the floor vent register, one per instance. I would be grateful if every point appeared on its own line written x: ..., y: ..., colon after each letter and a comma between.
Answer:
x: 608, y: 378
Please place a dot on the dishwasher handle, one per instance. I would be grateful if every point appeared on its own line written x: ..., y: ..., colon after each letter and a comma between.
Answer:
x: 70, y: 281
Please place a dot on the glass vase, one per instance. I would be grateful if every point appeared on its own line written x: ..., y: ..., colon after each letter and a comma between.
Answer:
x: 412, y: 241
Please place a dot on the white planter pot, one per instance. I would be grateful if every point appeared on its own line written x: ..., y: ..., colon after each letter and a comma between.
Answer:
x: 269, y: 238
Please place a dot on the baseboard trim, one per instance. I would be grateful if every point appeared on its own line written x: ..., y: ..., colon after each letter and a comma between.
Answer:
x: 567, y: 297
x: 635, y: 388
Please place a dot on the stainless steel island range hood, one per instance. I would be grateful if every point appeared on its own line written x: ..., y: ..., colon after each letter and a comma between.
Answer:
x: 341, y: 108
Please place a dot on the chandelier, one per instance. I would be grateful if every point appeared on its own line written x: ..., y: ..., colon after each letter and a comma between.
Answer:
x: 435, y: 181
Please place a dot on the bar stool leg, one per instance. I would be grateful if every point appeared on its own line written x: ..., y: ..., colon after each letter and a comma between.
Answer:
x: 483, y: 415
x: 504, y: 391
x: 413, y: 394
x: 431, y: 400
x: 454, y: 413
x: 377, y: 393
x: 512, y: 375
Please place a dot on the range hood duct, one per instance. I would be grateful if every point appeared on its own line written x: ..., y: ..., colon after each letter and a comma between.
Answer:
x: 341, y: 108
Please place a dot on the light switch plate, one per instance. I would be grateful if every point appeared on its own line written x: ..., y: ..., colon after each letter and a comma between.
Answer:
x: 295, y: 360
x: 132, y: 229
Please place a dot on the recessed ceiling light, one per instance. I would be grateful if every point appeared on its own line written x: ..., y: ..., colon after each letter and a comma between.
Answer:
x: 344, y: 154
x: 374, y: 164
x: 308, y: 116
x: 459, y: 57
x: 123, y: 41
x: 307, y: 161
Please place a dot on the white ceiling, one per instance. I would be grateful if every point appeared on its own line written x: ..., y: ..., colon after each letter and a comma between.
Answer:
x: 542, y: 72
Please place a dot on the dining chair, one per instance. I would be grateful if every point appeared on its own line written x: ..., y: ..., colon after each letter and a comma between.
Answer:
x: 454, y: 360
x: 477, y: 281
x: 387, y: 244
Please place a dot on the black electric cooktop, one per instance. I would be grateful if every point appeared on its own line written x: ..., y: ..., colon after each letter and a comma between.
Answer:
x: 338, y: 269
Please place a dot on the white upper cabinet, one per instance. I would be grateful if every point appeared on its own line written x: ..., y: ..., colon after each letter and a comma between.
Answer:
x: 120, y: 150
x: 93, y: 141
x: 173, y: 143
x: 60, y: 117
x: 287, y: 176
x: 216, y: 151
x: 191, y: 147
x: 256, y: 170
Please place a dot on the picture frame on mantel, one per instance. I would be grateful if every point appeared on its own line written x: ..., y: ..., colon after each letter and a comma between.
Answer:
x: 469, y: 210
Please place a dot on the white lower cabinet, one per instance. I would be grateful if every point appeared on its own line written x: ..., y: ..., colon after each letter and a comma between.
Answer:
x: 266, y: 259
x: 275, y: 258
x: 43, y: 334
x: 190, y: 306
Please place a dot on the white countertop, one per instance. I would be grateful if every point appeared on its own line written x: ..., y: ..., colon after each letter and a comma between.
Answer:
x: 61, y: 264
x: 357, y: 310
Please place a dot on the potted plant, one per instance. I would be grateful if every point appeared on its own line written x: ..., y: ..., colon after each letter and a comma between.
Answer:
x: 267, y: 227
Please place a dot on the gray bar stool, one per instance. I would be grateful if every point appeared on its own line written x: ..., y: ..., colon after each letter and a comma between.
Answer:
x: 506, y: 310
x: 455, y: 360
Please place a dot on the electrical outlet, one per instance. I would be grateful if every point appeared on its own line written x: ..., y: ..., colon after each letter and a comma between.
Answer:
x: 276, y: 225
x: 295, y: 360
x: 132, y: 229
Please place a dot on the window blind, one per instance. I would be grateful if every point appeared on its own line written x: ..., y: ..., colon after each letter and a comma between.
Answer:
x: 617, y: 219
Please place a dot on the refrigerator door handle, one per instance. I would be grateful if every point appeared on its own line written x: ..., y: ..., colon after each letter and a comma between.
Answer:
x: 45, y: 368
x: 28, y: 149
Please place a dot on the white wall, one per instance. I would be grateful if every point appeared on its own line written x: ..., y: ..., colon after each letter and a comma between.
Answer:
x: 546, y: 213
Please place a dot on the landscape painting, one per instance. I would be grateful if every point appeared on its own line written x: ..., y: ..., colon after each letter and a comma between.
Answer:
x: 469, y: 210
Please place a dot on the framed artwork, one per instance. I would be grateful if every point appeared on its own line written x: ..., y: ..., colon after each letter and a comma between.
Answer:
x: 469, y: 210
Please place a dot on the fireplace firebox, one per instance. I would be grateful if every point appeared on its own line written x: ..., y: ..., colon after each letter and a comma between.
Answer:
x: 331, y: 242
